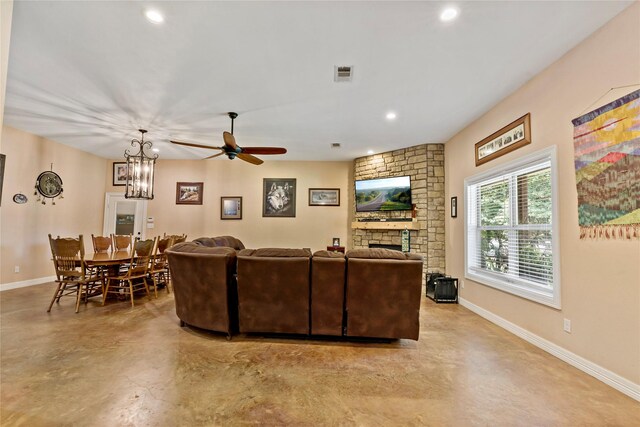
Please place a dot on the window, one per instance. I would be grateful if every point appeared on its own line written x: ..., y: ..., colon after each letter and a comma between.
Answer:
x: 511, y: 240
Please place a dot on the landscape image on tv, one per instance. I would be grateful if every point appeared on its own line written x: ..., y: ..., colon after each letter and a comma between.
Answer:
x: 383, y: 194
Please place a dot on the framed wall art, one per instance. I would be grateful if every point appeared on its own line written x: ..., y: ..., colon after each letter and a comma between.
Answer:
x: 513, y: 136
x: 324, y: 197
x: 189, y: 193
x: 231, y: 207
x: 454, y: 207
x: 279, y: 197
x: 119, y: 174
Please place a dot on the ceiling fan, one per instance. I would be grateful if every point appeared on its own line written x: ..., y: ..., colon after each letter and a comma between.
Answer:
x: 233, y: 150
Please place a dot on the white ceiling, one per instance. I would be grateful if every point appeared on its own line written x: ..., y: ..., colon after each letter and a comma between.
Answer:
x: 90, y: 73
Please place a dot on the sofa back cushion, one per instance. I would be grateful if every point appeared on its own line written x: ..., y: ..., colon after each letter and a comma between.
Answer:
x: 382, y: 253
x: 383, y: 295
x: 276, y: 252
x: 327, y: 293
x: 273, y: 290
x: 226, y: 241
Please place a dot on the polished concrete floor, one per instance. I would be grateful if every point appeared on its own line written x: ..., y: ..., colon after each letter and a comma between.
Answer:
x: 118, y: 366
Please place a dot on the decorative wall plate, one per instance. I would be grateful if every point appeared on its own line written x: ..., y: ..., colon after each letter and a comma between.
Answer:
x: 20, y: 198
x: 49, y: 184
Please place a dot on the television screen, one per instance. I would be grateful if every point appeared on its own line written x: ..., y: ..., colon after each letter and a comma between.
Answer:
x: 383, y: 194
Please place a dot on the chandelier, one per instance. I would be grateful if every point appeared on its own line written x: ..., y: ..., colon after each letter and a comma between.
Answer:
x: 140, y: 170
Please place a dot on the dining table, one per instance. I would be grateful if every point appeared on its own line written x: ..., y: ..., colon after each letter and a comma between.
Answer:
x: 110, y: 261
x: 107, y: 259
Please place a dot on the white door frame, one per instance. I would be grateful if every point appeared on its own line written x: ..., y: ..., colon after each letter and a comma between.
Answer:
x: 140, y: 218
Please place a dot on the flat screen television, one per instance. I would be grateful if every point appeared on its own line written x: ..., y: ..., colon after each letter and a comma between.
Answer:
x: 383, y: 194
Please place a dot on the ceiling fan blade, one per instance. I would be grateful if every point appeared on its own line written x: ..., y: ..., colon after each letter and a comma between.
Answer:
x: 188, y: 144
x: 249, y: 158
x: 264, y: 150
x: 215, y: 155
x: 229, y: 140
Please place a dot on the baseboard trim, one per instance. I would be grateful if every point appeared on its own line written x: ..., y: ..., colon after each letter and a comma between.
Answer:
x: 612, y: 379
x: 25, y: 283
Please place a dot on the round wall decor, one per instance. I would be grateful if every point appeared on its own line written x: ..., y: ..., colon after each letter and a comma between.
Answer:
x: 20, y: 198
x: 49, y: 185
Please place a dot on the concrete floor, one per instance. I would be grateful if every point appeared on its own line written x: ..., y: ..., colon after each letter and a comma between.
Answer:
x: 118, y: 366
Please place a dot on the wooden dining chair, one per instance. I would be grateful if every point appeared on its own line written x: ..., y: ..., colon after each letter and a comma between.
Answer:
x: 72, y: 276
x: 101, y: 243
x: 122, y: 242
x: 136, y: 275
x: 159, y: 271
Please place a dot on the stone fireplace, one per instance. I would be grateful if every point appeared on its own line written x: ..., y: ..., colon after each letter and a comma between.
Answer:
x: 425, y: 165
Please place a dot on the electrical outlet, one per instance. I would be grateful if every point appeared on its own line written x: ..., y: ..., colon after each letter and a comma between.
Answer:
x: 16, y: 269
x: 567, y: 325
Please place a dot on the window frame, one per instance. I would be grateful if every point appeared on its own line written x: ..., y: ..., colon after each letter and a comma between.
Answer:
x: 530, y: 290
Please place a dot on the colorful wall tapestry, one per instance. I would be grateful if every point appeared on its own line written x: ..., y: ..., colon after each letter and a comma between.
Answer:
x: 606, y: 144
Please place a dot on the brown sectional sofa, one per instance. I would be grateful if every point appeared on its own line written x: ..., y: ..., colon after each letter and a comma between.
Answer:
x: 373, y: 293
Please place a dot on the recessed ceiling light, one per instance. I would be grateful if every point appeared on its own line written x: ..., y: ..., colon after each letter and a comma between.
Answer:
x: 448, y: 14
x: 154, y: 16
x: 391, y: 115
x: 155, y: 150
x: 370, y: 152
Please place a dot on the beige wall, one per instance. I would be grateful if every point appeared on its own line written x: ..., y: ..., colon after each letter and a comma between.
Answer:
x: 313, y: 227
x: 25, y: 227
x: 600, y: 279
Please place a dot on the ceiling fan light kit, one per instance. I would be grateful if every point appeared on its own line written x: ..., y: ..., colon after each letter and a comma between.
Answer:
x: 233, y: 150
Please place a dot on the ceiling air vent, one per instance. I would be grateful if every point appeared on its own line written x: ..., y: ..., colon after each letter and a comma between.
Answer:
x: 343, y: 73
x: 335, y: 145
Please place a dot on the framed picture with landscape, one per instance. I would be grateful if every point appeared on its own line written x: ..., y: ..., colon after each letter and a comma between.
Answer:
x: 324, y: 197
x: 231, y: 207
x: 514, y: 135
x: 189, y: 193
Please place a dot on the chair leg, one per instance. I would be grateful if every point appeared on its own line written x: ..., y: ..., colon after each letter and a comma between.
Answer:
x: 146, y: 287
x: 105, y: 291
x: 155, y: 284
x: 79, y: 295
x: 63, y: 287
x: 55, y: 295
x: 131, y: 290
